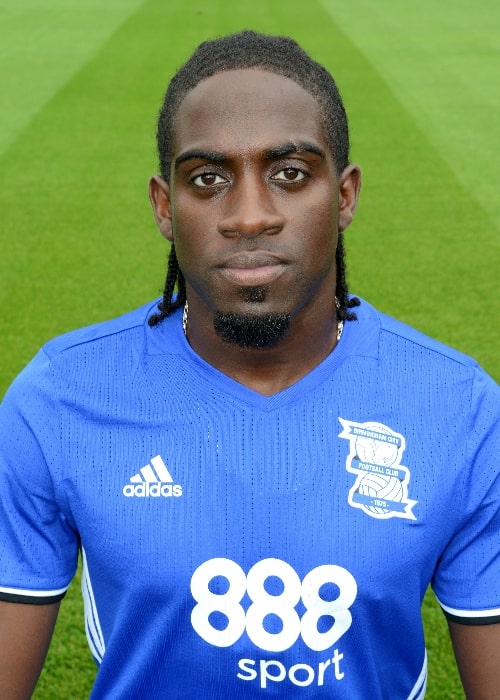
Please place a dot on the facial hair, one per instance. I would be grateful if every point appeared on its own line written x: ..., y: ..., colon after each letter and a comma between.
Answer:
x: 252, y: 330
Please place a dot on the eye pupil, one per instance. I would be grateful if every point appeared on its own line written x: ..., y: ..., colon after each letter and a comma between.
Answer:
x: 290, y: 175
x: 208, y: 178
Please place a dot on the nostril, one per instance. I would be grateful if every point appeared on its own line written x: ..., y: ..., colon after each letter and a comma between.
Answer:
x: 251, y: 223
x: 250, y: 230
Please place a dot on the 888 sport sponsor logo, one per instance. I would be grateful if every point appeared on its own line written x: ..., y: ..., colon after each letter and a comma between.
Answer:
x: 275, y: 608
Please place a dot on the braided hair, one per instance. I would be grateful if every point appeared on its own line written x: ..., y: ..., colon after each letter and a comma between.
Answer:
x: 277, y: 54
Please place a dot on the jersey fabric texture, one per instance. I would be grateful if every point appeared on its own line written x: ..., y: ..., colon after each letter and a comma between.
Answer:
x: 237, y: 545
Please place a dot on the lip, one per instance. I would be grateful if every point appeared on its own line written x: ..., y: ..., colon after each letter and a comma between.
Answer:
x: 252, y: 268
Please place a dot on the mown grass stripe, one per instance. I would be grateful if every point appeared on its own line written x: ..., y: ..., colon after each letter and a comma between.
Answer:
x: 42, y: 45
x: 443, y: 64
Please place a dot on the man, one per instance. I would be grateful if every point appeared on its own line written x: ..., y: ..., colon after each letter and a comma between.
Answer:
x: 263, y: 473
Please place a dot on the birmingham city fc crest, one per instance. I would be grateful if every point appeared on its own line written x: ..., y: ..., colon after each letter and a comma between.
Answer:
x: 381, y: 485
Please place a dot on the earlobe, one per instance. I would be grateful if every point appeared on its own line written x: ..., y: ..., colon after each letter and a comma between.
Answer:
x: 349, y: 187
x: 159, y: 196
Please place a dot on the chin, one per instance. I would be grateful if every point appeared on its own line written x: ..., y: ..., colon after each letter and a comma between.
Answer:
x: 252, y: 329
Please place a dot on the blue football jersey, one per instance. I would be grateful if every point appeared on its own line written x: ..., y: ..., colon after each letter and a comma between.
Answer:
x: 240, y: 545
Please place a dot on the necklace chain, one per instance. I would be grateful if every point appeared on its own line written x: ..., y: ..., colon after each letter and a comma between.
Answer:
x: 185, y: 319
x: 185, y: 313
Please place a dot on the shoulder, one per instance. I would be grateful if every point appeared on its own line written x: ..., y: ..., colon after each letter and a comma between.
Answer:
x: 396, y: 338
x: 409, y: 363
x: 104, y: 353
x: 100, y: 333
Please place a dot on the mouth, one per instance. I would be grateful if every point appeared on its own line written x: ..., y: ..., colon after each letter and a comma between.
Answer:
x: 252, y: 268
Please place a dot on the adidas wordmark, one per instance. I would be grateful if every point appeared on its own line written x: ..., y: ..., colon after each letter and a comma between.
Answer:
x: 152, y: 481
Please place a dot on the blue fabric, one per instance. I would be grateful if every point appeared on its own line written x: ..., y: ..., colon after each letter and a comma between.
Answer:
x: 237, y: 545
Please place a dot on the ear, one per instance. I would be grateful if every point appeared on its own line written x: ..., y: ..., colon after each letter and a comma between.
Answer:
x: 159, y: 196
x: 349, y: 187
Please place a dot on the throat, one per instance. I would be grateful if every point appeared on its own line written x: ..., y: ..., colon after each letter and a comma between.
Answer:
x: 267, y: 353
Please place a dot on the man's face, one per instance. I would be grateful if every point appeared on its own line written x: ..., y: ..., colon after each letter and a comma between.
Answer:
x: 253, y: 201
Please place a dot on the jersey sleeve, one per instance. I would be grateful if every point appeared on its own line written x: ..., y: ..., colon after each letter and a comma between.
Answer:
x: 467, y: 581
x: 38, y: 547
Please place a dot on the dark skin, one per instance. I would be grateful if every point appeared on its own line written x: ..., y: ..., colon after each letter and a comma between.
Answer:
x: 254, y: 186
x: 255, y: 200
x: 477, y: 651
x: 25, y: 633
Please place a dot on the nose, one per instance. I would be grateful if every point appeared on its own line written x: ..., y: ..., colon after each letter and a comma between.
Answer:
x: 250, y: 210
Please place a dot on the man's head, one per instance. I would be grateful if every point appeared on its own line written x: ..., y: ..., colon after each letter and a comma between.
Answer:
x: 245, y: 55
x: 275, y: 54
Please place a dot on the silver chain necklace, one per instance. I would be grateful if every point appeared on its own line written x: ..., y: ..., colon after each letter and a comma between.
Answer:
x: 340, y: 324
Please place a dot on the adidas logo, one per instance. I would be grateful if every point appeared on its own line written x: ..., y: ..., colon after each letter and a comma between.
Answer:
x: 152, y: 481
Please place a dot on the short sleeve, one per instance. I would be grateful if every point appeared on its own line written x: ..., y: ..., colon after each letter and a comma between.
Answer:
x: 38, y: 547
x: 467, y: 581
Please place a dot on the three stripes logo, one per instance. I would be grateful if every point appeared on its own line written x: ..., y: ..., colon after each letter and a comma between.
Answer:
x: 152, y: 481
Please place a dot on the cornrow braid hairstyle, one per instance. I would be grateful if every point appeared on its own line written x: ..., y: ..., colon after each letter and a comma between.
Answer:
x: 170, y: 301
x: 341, y: 291
x: 277, y: 54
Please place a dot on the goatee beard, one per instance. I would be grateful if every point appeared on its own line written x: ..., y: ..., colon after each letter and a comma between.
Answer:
x: 252, y: 330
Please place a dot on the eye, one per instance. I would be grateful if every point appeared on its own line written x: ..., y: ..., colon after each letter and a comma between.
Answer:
x: 289, y: 175
x: 207, y: 180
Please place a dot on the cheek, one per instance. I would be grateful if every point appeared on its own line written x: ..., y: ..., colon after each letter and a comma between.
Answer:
x: 193, y: 219
x: 319, y: 221
x: 189, y: 231
x: 195, y: 241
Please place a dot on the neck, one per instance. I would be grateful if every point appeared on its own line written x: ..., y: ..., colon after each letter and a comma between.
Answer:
x: 267, y: 370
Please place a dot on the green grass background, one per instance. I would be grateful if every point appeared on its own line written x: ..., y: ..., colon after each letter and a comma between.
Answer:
x: 80, y: 86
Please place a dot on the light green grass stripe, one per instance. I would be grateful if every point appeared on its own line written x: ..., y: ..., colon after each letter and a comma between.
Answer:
x: 42, y: 44
x: 442, y: 60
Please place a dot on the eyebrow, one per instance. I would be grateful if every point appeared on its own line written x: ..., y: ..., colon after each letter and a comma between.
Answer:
x: 198, y: 153
x: 291, y: 148
x: 286, y: 149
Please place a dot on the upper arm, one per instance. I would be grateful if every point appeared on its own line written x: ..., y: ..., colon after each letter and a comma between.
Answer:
x: 477, y: 651
x: 25, y: 633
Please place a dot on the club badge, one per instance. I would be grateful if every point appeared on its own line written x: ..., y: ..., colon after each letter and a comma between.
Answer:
x: 381, y: 486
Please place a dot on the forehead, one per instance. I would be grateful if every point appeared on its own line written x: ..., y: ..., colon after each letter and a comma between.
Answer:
x: 247, y: 109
